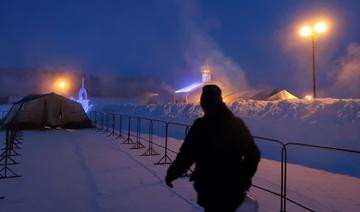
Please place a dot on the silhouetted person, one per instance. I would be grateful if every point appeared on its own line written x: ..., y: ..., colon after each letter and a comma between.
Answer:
x: 224, y: 154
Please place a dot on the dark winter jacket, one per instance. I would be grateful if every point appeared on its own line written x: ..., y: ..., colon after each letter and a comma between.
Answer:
x: 223, y: 151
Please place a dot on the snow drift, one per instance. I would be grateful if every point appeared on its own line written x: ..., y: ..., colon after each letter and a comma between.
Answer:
x: 330, y: 122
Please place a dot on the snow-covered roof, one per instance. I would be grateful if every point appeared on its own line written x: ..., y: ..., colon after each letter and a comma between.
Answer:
x: 269, y: 95
x: 281, y: 95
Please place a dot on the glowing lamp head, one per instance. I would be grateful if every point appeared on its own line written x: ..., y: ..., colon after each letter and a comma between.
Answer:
x: 320, y: 27
x: 305, y: 31
x: 308, y: 97
x: 61, y: 85
x: 205, y: 69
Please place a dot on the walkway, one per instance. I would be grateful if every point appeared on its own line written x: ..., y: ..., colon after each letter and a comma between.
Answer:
x: 68, y: 170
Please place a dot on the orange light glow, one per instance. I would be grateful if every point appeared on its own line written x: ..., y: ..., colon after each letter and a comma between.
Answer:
x: 61, y: 86
x: 320, y: 27
x: 227, y: 100
x: 205, y: 69
x: 308, y: 97
x: 310, y: 30
x: 305, y: 31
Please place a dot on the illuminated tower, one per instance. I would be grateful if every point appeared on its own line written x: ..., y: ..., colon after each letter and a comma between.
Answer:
x: 82, y: 91
x: 206, y: 75
x: 83, y: 98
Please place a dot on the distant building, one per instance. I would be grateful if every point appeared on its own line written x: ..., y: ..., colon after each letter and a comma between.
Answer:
x: 191, y: 93
x: 206, y: 75
x: 83, y: 97
x: 265, y: 95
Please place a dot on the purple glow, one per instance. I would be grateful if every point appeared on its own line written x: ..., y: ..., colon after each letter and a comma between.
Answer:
x: 189, y: 88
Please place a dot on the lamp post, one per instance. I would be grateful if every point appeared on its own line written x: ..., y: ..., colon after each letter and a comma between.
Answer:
x: 307, y: 31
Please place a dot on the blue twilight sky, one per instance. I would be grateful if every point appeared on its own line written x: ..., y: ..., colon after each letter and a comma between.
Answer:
x: 251, y: 43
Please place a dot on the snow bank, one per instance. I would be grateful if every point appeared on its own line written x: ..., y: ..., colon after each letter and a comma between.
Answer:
x: 330, y: 122
x: 287, y: 120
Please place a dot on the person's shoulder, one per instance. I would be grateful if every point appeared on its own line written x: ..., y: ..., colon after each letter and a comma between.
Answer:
x: 198, y: 121
x: 238, y: 121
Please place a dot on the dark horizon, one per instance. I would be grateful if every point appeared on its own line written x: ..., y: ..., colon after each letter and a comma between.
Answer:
x: 40, y: 81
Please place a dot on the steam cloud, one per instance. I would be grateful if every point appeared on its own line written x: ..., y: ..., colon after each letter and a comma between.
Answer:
x: 347, y: 82
x: 201, y: 49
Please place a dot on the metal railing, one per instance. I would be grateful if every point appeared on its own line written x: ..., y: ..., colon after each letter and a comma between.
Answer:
x: 108, y: 124
x: 12, y: 142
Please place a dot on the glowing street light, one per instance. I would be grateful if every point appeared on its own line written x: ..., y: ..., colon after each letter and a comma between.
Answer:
x: 308, y: 97
x: 307, y: 31
x: 320, y: 27
x: 62, y: 85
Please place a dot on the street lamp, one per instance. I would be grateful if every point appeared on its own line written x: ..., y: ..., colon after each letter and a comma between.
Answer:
x: 307, y: 31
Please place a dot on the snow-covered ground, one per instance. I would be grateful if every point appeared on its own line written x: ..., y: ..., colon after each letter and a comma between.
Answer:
x: 329, y: 122
x: 84, y: 170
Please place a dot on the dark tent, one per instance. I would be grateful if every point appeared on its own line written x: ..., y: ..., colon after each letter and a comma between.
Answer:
x: 47, y: 110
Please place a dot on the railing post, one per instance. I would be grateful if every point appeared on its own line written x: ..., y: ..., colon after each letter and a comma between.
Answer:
x: 165, y: 157
x: 6, y: 172
x: 150, y: 151
x: 107, y: 122
x: 166, y: 139
x: 112, y: 125
x: 120, y: 127
x: 128, y: 140
x: 284, y: 179
x: 138, y: 144
x: 95, y: 119
x: 101, y: 122
x: 282, y: 199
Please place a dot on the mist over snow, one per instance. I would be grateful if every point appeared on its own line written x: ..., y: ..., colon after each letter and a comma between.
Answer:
x: 347, y: 75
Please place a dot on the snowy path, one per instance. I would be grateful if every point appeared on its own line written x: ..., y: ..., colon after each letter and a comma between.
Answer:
x: 80, y: 171
x: 83, y: 170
